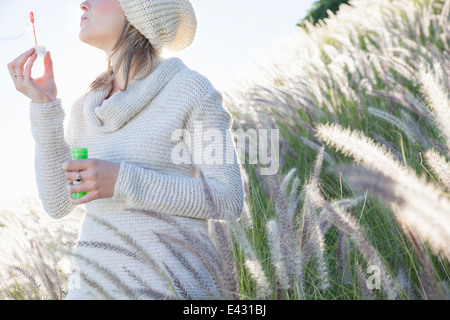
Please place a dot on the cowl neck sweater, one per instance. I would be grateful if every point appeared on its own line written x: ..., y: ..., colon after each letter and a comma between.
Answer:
x: 109, y: 115
x: 158, y: 173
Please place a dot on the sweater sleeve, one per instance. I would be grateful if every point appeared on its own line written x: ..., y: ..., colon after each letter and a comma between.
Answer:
x: 51, y: 150
x: 186, y: 196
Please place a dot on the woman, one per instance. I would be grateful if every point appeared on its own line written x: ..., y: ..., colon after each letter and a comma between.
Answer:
x: 137, y: 119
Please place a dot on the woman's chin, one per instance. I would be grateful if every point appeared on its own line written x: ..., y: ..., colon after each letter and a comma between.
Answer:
x: 84, y: 38
x: 85, y: 35
x: 81, y: 36
x: 88, y: 38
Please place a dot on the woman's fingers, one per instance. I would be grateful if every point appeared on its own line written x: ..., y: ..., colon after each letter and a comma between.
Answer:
x: 17, y: 65
x: 48, y: 65
x: 40, y: 90
x: 23, y: 84
x: 85, y: 199
x: 23, y: 59
x: 27, y: 73
x: 90, y: 195
x: 13, y: 63
x: 72, y: 175
x: 85, y: 186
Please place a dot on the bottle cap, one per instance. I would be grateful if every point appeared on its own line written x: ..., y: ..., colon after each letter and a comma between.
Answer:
x: 79, y: 153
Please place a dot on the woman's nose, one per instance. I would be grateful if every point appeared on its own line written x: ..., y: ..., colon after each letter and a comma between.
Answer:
x: 84, y: 6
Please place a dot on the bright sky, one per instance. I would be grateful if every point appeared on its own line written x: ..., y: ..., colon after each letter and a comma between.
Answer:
x: 229, y: 35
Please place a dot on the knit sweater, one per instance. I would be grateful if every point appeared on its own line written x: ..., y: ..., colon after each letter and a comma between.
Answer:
x: 157, y: 129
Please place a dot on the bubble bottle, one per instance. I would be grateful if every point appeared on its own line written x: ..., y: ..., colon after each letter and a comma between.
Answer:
x: 78, y: 154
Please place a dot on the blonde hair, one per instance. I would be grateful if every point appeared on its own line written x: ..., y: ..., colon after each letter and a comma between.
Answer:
x: 136, y: 54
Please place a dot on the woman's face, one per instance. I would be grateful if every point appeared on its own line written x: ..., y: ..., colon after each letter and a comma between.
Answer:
x: 101, y: 23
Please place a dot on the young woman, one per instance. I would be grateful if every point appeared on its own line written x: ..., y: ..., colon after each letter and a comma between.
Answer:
x: 136, y: 120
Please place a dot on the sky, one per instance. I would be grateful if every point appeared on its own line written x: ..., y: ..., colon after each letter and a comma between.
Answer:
x: 230, y: 34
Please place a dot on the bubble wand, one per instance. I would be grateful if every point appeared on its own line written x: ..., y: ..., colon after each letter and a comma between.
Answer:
x: 34, y: 29
x: 40, y: 50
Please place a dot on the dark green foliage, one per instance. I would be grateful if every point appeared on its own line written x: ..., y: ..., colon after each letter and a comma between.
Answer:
x: 319, y: 10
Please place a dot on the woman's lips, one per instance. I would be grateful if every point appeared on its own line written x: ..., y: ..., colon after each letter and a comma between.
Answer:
x: 82, y: 19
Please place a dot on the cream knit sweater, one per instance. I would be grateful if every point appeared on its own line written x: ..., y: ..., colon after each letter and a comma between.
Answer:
x: 137, y: 128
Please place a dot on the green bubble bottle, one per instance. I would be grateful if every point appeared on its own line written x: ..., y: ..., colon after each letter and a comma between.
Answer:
x: 78, y: 154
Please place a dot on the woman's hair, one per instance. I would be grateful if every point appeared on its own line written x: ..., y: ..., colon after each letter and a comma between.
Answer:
x: 131, y: 44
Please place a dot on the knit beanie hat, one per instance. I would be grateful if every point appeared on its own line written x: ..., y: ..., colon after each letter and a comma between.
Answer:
x: 169, y: 24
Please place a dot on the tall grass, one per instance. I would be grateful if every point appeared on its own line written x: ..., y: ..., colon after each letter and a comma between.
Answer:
x: 371, y: 87
x: 360, y: 208
x: 31, y: 264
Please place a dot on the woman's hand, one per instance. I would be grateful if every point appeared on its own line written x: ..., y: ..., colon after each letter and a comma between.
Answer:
x: 40, y: 90
x: 99, y: 178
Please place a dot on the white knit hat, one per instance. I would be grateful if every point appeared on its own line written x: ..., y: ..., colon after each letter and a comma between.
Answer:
x: 169, y: 24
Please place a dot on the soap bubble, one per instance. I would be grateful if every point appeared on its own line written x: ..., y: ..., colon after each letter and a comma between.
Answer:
x: 14, y: 19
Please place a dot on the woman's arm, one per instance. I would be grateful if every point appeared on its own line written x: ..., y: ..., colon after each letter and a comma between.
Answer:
x: 47, y: 117
x: 51, y: 150
x: 186, y: 196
